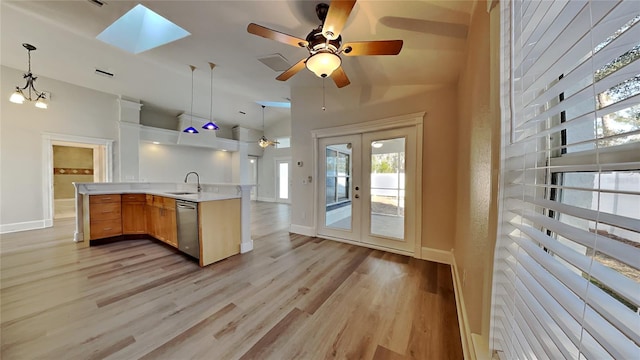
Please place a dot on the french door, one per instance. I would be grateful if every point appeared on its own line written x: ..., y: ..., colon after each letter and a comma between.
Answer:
x: 367, y: 186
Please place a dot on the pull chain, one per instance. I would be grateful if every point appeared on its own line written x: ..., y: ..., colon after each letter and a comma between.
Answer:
x: 323, y: 96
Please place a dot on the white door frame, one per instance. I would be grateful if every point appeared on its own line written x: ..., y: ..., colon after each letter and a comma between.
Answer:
x: 414, y: 119
x: 276, y: 173
x: 102, y: 159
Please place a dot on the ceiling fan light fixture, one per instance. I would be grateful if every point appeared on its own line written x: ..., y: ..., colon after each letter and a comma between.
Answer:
x: 323, y: 63
x: 263, y: 142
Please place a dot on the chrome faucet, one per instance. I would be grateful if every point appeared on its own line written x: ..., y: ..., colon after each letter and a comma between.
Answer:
x: 197, y: 177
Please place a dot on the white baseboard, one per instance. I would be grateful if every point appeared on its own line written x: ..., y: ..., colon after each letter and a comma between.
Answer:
x: 24, y: 226
x: 245, y: 247
x: 302, y: 230
x: 266, y: 199
x: 463, y: 320
x: 78, y: 236
x: 436, y: 255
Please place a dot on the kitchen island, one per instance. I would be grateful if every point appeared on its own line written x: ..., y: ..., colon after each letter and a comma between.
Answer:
x: 209, y: 225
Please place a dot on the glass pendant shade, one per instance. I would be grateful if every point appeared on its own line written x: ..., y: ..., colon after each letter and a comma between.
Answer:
x: 17, y: 97
x: 323, y: 63
x: 210, y: 126
x: 42, y: 103
x: 190, y: 130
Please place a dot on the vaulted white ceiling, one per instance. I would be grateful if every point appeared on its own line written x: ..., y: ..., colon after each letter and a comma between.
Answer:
x: 434, y: 34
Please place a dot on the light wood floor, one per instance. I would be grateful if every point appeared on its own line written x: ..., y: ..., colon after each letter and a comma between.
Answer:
x: 293, y: 297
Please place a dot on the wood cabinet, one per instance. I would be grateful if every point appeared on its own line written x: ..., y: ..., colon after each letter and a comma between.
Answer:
x: 161, y: 219
x: 105, y: 216
x: 220, y: 230
x: 133, y: 214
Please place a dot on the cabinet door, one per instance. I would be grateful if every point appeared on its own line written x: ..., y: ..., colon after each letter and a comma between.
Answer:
x: 152, y: 215
x: 169, y: 227
x: 133, y: 218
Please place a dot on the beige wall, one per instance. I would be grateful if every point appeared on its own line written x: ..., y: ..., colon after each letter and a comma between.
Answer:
x: 355, y: 104
x: 68, y: 157
x: 476, y: 183
x: 73, y: 110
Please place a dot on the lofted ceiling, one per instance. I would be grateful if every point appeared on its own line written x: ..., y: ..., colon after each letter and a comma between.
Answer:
x: 434, y: 34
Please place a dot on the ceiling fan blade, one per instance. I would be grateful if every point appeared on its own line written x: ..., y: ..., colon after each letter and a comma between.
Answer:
x: 340, y: 78
x: 381, y: 47
x: 259, y: 30
x: 337, y: 15
x: 292, y: 70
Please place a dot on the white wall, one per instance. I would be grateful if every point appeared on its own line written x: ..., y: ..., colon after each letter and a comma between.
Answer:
x: 73, y: 110
x: 168, y: 163
x: 267, y: 163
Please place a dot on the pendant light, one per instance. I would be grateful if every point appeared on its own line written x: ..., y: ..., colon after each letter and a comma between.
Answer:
x: 264, y: 142
x: 211, y: 125
x: 191, y: 129
x: 39, y: 97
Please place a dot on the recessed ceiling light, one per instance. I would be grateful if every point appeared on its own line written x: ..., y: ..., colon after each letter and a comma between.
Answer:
x: 155, y: 142
x: 140, y: 30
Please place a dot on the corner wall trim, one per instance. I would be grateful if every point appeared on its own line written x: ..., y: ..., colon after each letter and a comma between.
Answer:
x: 302, y: 230
x: 245, y: 247
x: 23, y: 226
x: 436, y: 255
x: 463, y: 321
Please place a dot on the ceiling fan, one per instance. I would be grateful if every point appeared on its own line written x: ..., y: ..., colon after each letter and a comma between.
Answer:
x: 324, y: 43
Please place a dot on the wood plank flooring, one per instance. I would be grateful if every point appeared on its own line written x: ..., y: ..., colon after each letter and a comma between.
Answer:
x: 293, y: 297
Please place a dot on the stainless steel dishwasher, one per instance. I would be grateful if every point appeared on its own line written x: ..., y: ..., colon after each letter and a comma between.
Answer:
x: 188, y: 227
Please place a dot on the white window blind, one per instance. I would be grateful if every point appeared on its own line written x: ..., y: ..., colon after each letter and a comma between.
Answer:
x: 567, y: 258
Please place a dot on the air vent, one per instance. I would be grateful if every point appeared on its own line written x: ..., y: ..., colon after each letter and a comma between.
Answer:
x: 104, y: 73
x: 275, y: 62
x: 97, y: 2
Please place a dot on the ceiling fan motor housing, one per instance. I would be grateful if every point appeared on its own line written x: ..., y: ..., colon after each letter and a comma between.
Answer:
x: 318, y: 42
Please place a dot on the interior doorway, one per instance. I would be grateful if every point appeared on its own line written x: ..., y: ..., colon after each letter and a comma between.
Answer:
x: 72, y: 159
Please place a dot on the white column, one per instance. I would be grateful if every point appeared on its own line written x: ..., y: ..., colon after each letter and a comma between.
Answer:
x: 129, y: 140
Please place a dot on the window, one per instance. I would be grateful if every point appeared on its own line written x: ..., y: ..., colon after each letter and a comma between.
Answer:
x: 338, y: 175
x: 567, y: 259
x: 283, y: 142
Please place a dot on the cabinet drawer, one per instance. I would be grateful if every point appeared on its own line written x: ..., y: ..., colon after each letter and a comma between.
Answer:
x: 105, y: 228
x: 105, y: 211
x: 101, y: 199
x: 133, y: 197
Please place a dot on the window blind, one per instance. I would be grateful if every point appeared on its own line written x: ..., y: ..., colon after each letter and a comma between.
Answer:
x: 567, y: 259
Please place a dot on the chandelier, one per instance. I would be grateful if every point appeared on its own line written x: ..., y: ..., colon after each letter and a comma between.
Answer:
x: 19, y: 97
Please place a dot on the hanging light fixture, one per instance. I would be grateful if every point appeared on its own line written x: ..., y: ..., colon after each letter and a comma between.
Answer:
x: 323, y: 63
x: 19, y: 97
x: 211, y: 125
x: 264, y: 142
x: 191, y: 129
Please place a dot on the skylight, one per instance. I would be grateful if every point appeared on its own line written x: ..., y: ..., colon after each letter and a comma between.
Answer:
x: 140, y: 30
x: 275, y: 104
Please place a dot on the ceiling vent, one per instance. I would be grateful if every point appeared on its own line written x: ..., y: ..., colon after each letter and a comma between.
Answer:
x: 104, y: 73
x: 275, y: 62
x: 97, y: 2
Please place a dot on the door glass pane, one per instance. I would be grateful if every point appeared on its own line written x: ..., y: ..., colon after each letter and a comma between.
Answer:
x: 337, y: 186
x: 283, y: 176
x: 387, y: 188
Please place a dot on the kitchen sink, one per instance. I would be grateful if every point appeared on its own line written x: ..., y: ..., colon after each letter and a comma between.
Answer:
x: 181, y: 193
